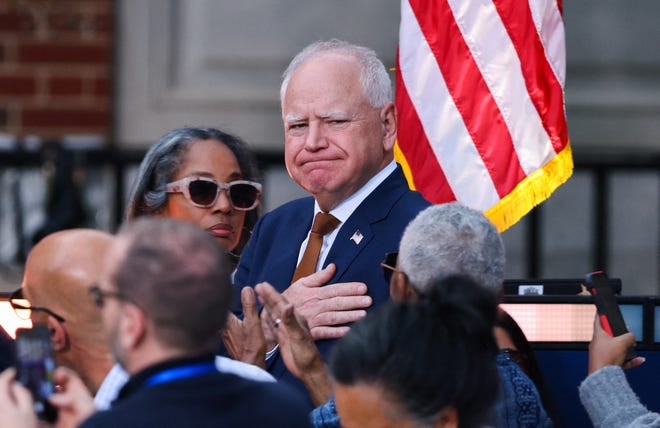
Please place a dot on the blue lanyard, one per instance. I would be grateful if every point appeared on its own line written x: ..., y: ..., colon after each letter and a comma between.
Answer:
x: 182, y: 372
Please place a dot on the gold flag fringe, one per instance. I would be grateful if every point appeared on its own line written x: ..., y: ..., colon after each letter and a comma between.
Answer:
x: 534, y: 189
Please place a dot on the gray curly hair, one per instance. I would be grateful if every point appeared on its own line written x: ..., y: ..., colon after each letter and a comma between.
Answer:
x: 451, y: 239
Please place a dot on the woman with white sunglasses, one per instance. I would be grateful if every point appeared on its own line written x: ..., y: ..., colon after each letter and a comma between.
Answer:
x: 207, y: 177
x: 201, y: 175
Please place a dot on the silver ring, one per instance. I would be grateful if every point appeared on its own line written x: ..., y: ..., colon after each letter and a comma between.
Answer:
x: 278, y: 321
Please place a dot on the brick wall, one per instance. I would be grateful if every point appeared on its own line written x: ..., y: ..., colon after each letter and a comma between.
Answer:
x: 55, y: 67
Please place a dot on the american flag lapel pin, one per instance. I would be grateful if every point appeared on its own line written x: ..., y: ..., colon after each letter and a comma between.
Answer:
x: 357, y: 237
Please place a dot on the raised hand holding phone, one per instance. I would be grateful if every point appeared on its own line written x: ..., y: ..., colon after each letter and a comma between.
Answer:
x: 35, y: 368
x: 607, y: 307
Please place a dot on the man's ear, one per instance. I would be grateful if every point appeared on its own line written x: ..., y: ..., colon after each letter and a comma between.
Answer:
x: 132, y: 326
x: 58, y: 335
x: 400, y: 288
x: 388, y: 123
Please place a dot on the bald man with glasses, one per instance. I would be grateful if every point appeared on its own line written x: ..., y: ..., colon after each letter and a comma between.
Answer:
x: 59, y: 290
x: 55, y: 293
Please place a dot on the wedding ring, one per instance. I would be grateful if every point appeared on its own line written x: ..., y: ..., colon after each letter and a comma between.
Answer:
x: 278, y: 321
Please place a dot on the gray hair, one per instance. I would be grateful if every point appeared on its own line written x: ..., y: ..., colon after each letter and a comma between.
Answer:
x: 163, y: 160
x: 409, y: 350
x: 451, y: 239
x: 376, y: 83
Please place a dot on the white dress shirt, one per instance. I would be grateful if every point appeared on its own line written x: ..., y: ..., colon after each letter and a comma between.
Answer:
x: 344, y: 210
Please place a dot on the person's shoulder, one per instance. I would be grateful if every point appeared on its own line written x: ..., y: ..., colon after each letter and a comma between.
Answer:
x: 214, y: 397
x: 291, y: 208
x: 408, y: 198
x: 414, y: 200
x: 511, y: 372
x: 518, y: 394
x: 105, y: 418
x: 283, y: 405
x: 409, y: 204
x: 284, y: 399
x: 142, y: 407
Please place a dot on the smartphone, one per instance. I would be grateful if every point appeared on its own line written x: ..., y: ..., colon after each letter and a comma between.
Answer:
x: 607, y: 306
x: 35, y: 368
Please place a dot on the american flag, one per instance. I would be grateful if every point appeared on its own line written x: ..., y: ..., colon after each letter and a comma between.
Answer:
x: 480, y: 98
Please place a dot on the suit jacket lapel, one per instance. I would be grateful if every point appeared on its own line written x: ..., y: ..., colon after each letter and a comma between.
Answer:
x: 373, y: 209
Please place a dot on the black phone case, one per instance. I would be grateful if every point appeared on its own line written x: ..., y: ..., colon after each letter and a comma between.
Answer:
x: 607, y: 307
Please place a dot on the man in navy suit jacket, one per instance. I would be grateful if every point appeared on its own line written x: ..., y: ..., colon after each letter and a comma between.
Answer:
x: 340, y: 128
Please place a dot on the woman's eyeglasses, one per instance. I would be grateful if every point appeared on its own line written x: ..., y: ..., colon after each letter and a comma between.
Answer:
x: 203, y: 192
x: 23, y: 309
x: 389, y: 266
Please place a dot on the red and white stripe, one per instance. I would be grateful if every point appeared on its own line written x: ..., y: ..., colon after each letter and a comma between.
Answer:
x: 480, y: 95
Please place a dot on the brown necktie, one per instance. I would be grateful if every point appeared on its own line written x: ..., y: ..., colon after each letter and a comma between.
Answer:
x: 324, y: 223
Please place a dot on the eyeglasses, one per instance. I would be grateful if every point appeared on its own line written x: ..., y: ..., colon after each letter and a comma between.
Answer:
x: 23, y: 309
x: 99, y: 296
x: 203, y: 192
x: 389, y: 266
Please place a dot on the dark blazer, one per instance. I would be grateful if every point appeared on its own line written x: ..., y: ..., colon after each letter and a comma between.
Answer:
x: 272, y: 252
x: 212, y: 399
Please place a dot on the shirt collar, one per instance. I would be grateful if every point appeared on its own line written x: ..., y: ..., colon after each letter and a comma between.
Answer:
x: 344, y: 210
x: 136, y: 382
